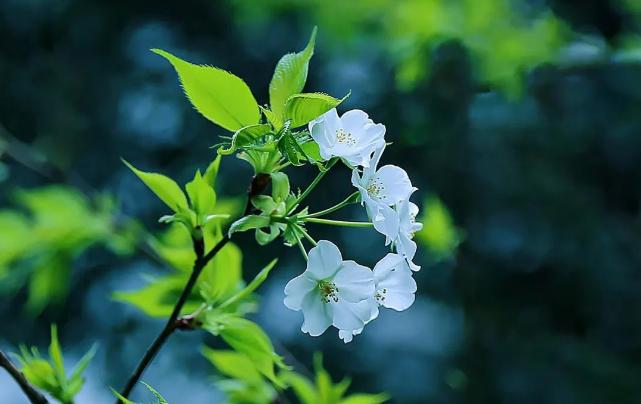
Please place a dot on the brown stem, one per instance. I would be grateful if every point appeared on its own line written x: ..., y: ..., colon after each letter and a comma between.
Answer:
x: 257, y: 186
x: 34, y: 395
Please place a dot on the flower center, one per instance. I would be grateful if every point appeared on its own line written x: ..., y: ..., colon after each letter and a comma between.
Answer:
x: 345, y: 137
x: 380, y: 295
x: 328, y: 291
x: 375, y: 188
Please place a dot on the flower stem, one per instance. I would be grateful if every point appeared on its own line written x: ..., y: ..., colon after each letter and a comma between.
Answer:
x: 347, y: 201
x: 307, y: 236
x: 302, y: 247
x: 311, y: 186
x: 338, y: 222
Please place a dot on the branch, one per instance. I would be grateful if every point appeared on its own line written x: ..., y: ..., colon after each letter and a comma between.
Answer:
x: 258, y: 184
x: 34, y: 395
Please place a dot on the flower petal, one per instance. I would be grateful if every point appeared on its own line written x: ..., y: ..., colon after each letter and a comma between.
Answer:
x: 323, y: 130
x: 384, y: 218
x: 394, y: 282
x: 324, y: 260
x: 395, y: 185
x: 355, y: 282
x: 351, y: 316
x: 317, y: 315
x: 354, y: 121
x: 296, y: 290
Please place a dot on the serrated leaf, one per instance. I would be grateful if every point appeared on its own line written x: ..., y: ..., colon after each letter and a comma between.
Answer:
x: 272, y: 118
x: 218, y: 95
x: 300, y: 109
x: 290, y: 76
x: 164, y: 187
x: 291, y: 150
x: 246, y: 136
x: 248, y: 223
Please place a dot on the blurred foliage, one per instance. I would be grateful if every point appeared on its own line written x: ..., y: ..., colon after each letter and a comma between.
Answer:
x: 439, y: 234
x: 505, y: 37
x: 48, y: 230
x: 50, y: 375
x: 322, y: 390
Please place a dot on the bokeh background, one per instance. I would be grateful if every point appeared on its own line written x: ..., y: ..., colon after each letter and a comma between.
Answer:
x: 520, y: 122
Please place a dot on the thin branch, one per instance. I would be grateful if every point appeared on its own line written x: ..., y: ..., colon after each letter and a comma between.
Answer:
x: 34, y: 395
x: 257, y: 186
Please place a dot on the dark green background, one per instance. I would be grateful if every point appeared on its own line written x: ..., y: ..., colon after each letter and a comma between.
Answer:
x: 540, y: 303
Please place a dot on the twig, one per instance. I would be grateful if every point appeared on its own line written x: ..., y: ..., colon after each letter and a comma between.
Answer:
x: 34, y: 395
x: 256, y: 187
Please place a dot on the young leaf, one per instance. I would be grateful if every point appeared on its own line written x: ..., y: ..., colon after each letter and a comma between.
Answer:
x: 202, y: 196
x: 233, y: 364
x: 303, y: 108
x: 219, y: 96
x: 264, y: 238
x: 245, y: 137
x: 280, y: 186
x: 248, y: 338
x: 253, y: 285
x: 272, y: 118
x: 164, y: 187
x: 290, y: 76
x: 248, y: 223
x: 212, y: 172
x: 303, y: 388
x: 55, y: 353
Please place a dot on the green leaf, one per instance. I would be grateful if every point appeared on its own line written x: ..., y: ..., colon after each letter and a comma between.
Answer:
x: 303, y: 108
x: 158, y: 298
x: 272, y: 118
x: 311, y: 151
x: 253, y: 285
x: 121, y: 398
x: 280, y: 186
x: 264, y: 203
x: 248, y: 223
x: 222, y: 277
x: 76, y: 381
x: 164, y: 187
x: 303, y: 388
x: 291, y: 150
x: 365, y: 399
x: 264, y: 238
x: 202, y: 197
x: 159, y: 397
x: 219, y: 96
x: 290, y: 76
x: 247, y: 338
x: 55, y: 353
x: 211, y: 173
x: 233, y: 364
x: 246, y: 136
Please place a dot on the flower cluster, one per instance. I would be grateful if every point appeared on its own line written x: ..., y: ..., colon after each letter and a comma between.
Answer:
x: 342, y: 293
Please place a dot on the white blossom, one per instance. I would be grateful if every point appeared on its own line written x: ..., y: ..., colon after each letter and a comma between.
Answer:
x: 331, y: 291
x: 380, y: 189
x: 408, y: 226
x: 353, y: 137
x: 395, y: 286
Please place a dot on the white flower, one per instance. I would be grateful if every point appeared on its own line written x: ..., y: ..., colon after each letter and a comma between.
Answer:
x: 348, y: 335
x: 381, y: 189
x: 403, y: 242
x: 331, y: 292
x: 353, y: 136
x: 395, y: 286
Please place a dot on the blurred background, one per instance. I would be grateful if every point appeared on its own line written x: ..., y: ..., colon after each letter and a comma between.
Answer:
x: 519, y: 121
